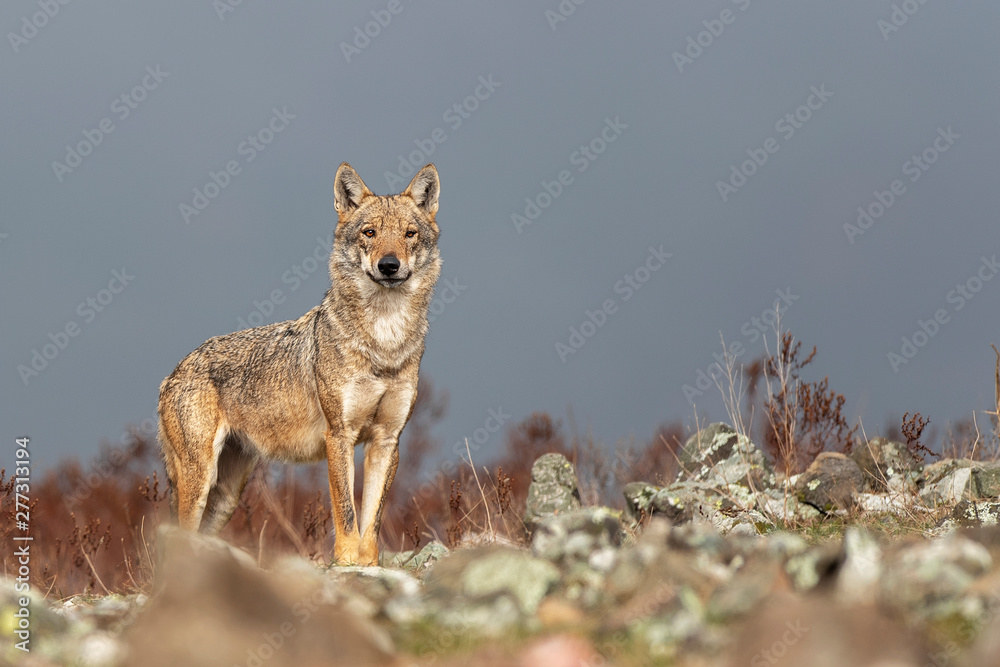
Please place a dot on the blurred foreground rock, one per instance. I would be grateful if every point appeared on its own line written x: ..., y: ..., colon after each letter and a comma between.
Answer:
x: 213, y: 606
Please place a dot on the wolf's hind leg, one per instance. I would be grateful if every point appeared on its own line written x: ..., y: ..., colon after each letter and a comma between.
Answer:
x: 234, y: 467
x: 190, y: 440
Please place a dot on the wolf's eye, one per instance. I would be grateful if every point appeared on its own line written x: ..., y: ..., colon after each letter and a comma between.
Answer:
x: 410, y: 234
x: 370, y: 233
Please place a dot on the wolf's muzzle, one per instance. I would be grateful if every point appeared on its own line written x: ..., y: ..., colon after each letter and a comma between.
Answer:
x: 388, y: 265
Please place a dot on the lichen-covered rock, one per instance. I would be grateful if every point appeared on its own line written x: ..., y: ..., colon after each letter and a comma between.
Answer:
x: 930, y: 580
x: 946, y: 482
x: 807, y: 570
x: 638, y: 498
x: 830, y: 482
x: 554, y: 489
x: 488, y: 590
x: 748, y: 588
x: 786, y: 507
x: 971, y: 513
x: 986, y: 480
x: 395, y: 594
x: 684, y: 501
x: 887, y: 465
x: 720, y: 457
x: 588, y: 535
x: 431, y: 552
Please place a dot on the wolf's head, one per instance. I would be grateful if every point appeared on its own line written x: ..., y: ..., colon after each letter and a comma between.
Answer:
x: 391, y: 239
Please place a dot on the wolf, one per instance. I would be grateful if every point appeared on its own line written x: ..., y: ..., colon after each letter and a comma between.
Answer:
x: 343, y: 374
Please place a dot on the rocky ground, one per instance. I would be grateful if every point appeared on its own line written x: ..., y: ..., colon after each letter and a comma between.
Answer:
x: 872, y: 559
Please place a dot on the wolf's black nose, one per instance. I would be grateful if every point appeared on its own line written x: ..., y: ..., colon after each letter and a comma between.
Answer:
x: 388, y: 265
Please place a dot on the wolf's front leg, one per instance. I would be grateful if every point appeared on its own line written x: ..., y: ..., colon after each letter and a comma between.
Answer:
x: 381, y: 459
x: 340, y: 464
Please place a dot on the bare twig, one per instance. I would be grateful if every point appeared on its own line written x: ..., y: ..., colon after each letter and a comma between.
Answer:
x: 489, y: 521
x: 92, y: 568
x: 286, y: 526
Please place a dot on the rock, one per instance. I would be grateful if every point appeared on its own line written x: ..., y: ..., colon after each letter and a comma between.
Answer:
x: 100, y: 648
x: 985, y: 651
x: 749, y: 587
x: 488, y: 590
x: 782, y: 544
x: 555, y: 612
x: 830, y: 482
x: 720, y: 457
x: 638, y: 499
x: 431, y: 553
x: 578, y: 536
x: 786, y: 507
x: 929, y: 580
x: 701, y: 538
x: 559, y: 651
x: 971, y: 514
x: 986, y: 480
x: 729, y: 509
x: 553, y: 489
x: 880, y: 503
x: 814, y: 632
x: 396, y: 559
x: 861, y: 567
x: 523, y: 577
x: 43, y: 624
x: 215, y: 607
x: 946, y: 482
x: 394, y: 593
x: 814, y: 568
x: 887, y: 465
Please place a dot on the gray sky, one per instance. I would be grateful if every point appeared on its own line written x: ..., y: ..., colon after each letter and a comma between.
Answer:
x: 643, y: 109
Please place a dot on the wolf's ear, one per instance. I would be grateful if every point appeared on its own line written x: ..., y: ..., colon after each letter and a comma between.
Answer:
x: 425, y: 188
x: 348, y: 190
